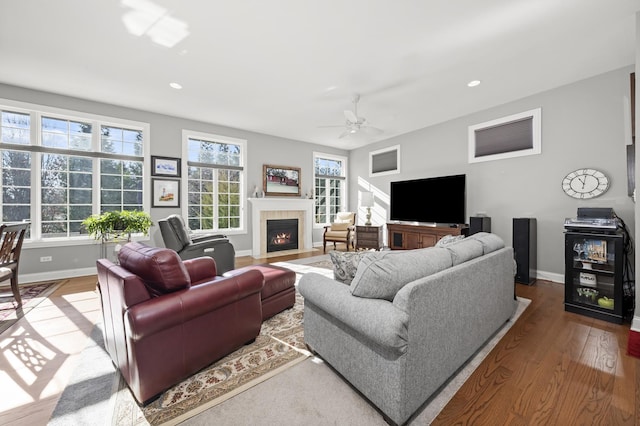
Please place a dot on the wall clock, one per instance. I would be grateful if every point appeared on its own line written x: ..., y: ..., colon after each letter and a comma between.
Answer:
x: 585, y: 183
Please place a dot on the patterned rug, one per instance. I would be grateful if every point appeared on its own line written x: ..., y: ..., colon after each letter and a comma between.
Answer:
x: 32, y: 295
x: 279, y: 346
x: 325, y: 264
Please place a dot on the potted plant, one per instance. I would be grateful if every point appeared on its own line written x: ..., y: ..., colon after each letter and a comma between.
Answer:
x: 112, y: 225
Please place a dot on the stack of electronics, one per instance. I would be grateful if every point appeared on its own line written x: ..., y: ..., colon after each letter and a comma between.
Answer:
x: 594, y: 219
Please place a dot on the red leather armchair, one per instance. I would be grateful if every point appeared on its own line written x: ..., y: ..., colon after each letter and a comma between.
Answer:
x: 165, y: 319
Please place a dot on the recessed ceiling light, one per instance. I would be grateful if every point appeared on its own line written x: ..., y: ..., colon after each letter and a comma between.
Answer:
x: 473, y: 83
x: 176, y: 86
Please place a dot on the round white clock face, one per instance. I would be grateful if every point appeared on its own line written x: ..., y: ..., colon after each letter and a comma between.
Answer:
x: 585, y: 183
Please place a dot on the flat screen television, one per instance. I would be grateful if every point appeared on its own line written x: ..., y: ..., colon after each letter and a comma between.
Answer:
x: 431, y: 200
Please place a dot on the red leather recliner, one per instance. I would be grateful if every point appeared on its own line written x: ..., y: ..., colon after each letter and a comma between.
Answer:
x: 165, y: 319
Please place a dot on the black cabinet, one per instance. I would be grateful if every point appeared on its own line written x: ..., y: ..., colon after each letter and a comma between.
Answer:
x: 594, y: 274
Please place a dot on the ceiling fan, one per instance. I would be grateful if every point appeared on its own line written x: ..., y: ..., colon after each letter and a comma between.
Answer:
x: 355, y: 123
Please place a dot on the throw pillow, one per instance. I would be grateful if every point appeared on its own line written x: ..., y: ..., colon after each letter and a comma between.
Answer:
x: 383, y: 275
x: 448, y: 239
x: 339, y: 226
x: 346, y: 264
x: 344, y: 217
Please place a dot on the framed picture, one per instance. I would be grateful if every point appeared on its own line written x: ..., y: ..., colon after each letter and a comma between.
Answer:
x: 165, y: 166
x: 166, y: 193
x: 281, y: 180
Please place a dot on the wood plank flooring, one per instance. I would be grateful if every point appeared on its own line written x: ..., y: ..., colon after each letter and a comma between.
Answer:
x: 552, y: 367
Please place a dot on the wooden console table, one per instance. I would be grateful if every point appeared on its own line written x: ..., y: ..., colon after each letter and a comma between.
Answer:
x: 407, y: 237
x: 368, y: 237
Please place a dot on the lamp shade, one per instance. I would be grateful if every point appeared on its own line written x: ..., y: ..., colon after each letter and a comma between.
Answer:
x: 366, y: 199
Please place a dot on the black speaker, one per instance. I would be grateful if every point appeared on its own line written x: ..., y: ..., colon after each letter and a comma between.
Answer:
x: 479, y: 224
x: 524, y: 249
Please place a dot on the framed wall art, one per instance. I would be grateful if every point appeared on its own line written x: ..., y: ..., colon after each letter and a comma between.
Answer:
x: 165, y: 166
x: 166, y: 193
x: 281, y: 180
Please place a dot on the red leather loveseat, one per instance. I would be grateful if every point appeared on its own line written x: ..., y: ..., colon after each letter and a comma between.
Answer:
x: 165, y: 319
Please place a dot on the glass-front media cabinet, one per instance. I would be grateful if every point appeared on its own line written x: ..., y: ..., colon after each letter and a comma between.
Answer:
x: 594, y: 274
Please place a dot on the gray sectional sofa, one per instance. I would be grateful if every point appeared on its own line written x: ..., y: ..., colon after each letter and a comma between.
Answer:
x: 409, y: 319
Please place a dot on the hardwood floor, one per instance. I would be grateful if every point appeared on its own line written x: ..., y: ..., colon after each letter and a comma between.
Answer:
x: 552, y: 367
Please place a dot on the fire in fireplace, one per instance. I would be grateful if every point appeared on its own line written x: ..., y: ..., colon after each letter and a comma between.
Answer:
x: 282, y: 234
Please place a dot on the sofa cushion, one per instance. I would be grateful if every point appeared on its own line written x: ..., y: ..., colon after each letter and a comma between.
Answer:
x: 340, y: 226
x: 160, y: 268
x: 464, y: 250
x: 345, y: 264
x: 490, y: 242
x: 381, y: 274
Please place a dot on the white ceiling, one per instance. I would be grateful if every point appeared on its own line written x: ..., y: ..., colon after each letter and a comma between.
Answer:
x: 286, y: 67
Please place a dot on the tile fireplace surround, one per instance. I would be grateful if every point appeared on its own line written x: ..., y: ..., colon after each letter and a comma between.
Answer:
x: 263, y: 209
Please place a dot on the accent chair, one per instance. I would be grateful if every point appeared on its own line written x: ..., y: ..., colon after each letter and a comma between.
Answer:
x: 165, y: 318
x: 342, y: 230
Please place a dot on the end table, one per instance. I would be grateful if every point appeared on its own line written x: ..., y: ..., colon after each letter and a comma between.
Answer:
x: 368, y: 237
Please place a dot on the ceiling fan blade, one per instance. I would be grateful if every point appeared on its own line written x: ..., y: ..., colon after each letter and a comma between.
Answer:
x: 371, y: 130
x: 350, y: 116
x: 331, y: 126
x: 346, y: 133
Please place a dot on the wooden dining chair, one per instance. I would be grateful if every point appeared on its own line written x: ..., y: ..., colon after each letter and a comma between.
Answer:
x: 11, y: 238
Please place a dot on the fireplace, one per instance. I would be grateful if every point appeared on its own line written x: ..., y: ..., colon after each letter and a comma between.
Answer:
x: 272, y: 208
x: 282, y: 234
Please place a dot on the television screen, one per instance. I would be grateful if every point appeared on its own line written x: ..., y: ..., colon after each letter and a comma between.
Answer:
x: 431, y: 200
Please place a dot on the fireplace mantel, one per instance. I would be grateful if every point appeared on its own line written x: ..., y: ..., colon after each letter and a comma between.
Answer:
x: 285, y: 207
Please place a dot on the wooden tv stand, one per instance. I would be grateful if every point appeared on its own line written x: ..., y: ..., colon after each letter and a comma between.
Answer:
x: 405, y: 236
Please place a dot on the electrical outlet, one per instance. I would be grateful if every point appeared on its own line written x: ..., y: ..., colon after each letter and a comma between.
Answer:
x: 46, y: 259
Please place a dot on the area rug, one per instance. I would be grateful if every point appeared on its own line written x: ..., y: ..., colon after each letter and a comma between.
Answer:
x: 296, y: 388
x: 325, y: 264
x: 279, y: 346
x: 32, y: 295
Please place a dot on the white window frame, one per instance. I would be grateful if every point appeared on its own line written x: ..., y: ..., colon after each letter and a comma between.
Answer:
x: 36, y: 112
x: 344, y: 202
x: 186, y: 134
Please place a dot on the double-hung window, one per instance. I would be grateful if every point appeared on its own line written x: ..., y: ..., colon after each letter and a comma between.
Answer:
x: 59, y: 167
x: 215, y: 181
x: 330, y: 186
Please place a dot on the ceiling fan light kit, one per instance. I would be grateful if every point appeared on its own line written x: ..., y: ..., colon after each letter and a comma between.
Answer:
x: 355, y: 123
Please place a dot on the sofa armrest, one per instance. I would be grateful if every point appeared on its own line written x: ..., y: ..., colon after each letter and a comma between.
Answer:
x: 195, y: 238
x: 376, y: 320
x: 200, y: 269
x: 202, y: 248
x: 169, y: 310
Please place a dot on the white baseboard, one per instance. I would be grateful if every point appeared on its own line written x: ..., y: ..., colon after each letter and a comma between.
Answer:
x: 550, y: 276
x: 56, y: 275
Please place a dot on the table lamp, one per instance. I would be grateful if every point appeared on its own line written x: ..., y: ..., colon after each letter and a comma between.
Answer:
x: 366, y: 200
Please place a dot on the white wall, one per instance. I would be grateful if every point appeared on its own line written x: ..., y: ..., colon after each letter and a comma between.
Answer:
x: 583, y: 125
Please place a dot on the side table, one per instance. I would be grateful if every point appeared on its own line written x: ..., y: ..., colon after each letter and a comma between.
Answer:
x: 368, y: 237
